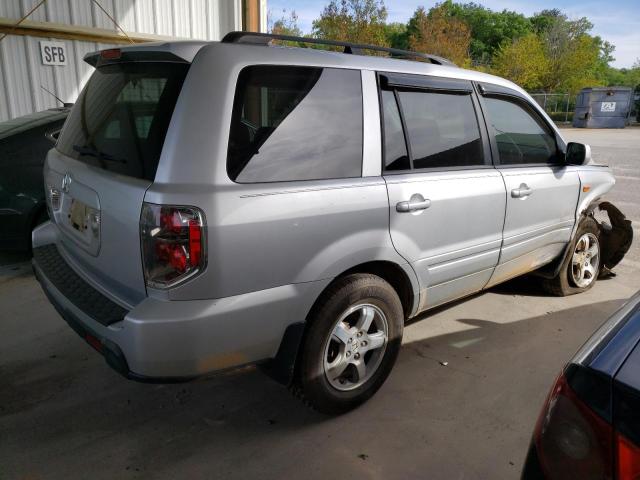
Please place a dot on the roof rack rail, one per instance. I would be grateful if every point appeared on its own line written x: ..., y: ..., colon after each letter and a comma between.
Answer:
x: 352, y: 48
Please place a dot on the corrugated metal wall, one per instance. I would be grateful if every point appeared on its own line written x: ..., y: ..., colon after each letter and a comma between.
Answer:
x: 22, y: 72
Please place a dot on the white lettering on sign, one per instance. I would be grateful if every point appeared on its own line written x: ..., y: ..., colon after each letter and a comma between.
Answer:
x: 53, y: 53
x: 608, y: 107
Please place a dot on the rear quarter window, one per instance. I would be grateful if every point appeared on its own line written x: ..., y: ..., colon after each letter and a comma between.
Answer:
x: 121, y: 118
x: 295, y: 123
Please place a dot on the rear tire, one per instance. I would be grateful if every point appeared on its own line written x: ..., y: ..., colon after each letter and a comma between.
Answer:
x: 580, y: 270
x: 350, y: 345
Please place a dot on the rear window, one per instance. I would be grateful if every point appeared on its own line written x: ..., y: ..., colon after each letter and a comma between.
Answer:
x: 121, y: 117
x: 296, y: 123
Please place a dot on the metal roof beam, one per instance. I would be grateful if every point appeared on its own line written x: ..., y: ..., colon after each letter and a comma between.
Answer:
x: 76, y: 32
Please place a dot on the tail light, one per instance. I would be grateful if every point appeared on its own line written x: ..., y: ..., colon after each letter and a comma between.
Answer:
x: 173, y: 244
x: 111, y: 54
x: 572, y: 441
x: 54, y: 198
x: 628, y: 466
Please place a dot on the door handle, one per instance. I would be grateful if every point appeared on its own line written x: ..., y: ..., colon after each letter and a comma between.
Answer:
x: 415, y: 204
x: 522, y: 191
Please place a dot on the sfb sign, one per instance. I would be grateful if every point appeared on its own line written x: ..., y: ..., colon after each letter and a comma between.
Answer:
x: 53, y: 53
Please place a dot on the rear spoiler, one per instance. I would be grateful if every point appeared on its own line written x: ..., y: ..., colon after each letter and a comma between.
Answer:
x: 175, y: 52
x: 115, y: 55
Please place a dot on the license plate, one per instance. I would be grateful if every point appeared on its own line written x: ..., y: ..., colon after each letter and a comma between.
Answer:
x: 78, y: 215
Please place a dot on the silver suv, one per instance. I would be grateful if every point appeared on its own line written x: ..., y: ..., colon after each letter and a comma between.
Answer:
x: 229, y: 203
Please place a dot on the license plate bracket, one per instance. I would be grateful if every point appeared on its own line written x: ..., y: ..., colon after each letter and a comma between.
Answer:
x: 78, y: 215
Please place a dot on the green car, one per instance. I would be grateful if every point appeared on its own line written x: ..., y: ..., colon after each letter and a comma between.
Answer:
x: 24, y: 142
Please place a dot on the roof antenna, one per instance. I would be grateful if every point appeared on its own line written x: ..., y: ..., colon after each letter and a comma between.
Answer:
x: 54, y: 96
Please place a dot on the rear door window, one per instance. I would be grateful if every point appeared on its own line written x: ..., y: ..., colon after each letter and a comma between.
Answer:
x: 121, y: 118
x: 429, y: 123
x: 295, y: 123
x: 442, y: 129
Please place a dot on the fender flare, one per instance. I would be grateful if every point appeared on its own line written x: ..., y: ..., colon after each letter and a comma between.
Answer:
x: 281, y: 368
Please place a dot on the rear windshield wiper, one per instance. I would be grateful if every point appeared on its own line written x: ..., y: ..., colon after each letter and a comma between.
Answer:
x: 92, y: 152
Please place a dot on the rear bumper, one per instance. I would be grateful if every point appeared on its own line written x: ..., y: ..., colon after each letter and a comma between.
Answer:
x: 110, y: 350
x: 167, y: 341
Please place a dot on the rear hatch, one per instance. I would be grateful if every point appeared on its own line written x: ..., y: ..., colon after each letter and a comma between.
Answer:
x: 104, y: 161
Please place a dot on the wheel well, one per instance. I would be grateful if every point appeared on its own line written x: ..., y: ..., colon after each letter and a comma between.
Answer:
x: 392, y: 274
x: 282, y: 367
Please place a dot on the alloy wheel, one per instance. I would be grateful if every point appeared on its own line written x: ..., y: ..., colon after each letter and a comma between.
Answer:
x: 585, y: 261
x: 355, y: 347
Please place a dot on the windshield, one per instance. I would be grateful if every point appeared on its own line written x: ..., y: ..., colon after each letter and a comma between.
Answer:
x: 121, y: 117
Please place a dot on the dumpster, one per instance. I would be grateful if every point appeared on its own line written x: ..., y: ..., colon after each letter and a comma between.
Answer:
x: 603, y: 107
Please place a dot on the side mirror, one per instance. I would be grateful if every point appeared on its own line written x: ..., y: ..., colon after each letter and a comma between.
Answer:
x: 578, y: 154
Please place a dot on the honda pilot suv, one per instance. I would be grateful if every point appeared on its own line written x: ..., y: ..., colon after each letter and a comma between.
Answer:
x: 221, y: 204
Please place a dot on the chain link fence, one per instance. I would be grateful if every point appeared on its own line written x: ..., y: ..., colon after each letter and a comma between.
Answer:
x: 559, y: 106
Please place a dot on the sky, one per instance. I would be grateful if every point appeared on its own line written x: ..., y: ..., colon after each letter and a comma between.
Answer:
x: 617, y: 21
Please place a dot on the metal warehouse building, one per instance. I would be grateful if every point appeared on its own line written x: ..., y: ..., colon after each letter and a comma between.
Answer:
x: 45, y: 50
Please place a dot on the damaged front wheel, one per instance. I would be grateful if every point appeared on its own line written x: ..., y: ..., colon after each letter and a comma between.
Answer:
x: 581, y: 268
x: 585, y: 260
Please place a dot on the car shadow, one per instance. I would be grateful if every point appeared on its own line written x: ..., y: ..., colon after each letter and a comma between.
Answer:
x: 526, y: 285
x: 13, y: 258
x: 14, y: 264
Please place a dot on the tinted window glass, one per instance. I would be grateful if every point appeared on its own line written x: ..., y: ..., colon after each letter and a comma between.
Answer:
x: 296, y: 123
x: 442, y: 128
x: 121, y: 117
x: 521, y: 138
x: 395, y: 148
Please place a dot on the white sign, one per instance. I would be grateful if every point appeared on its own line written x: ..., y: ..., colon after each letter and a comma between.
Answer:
x: 53, y: 53
x: 608, y: 107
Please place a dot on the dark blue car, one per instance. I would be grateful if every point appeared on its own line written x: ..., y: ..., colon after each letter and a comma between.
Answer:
x: 24, y: 143
x: 589, y: 427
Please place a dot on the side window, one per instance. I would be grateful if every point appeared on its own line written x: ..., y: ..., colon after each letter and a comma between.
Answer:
x: 522, y: 138
x: 441, y: 128
x: 295, y: 123
x: 395, y: 148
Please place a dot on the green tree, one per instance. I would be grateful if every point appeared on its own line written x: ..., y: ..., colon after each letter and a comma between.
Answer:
x: 626, y: 77
x: 576, y: 59
x: 356, y: 21
x: 524, y: 62
x: 541, y: 22
x: 396, y: 34
x: 439, y: 33
x: 489, y: 29
x: 554, y: 20
x: 287, y: 24
x: 546, y: 51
